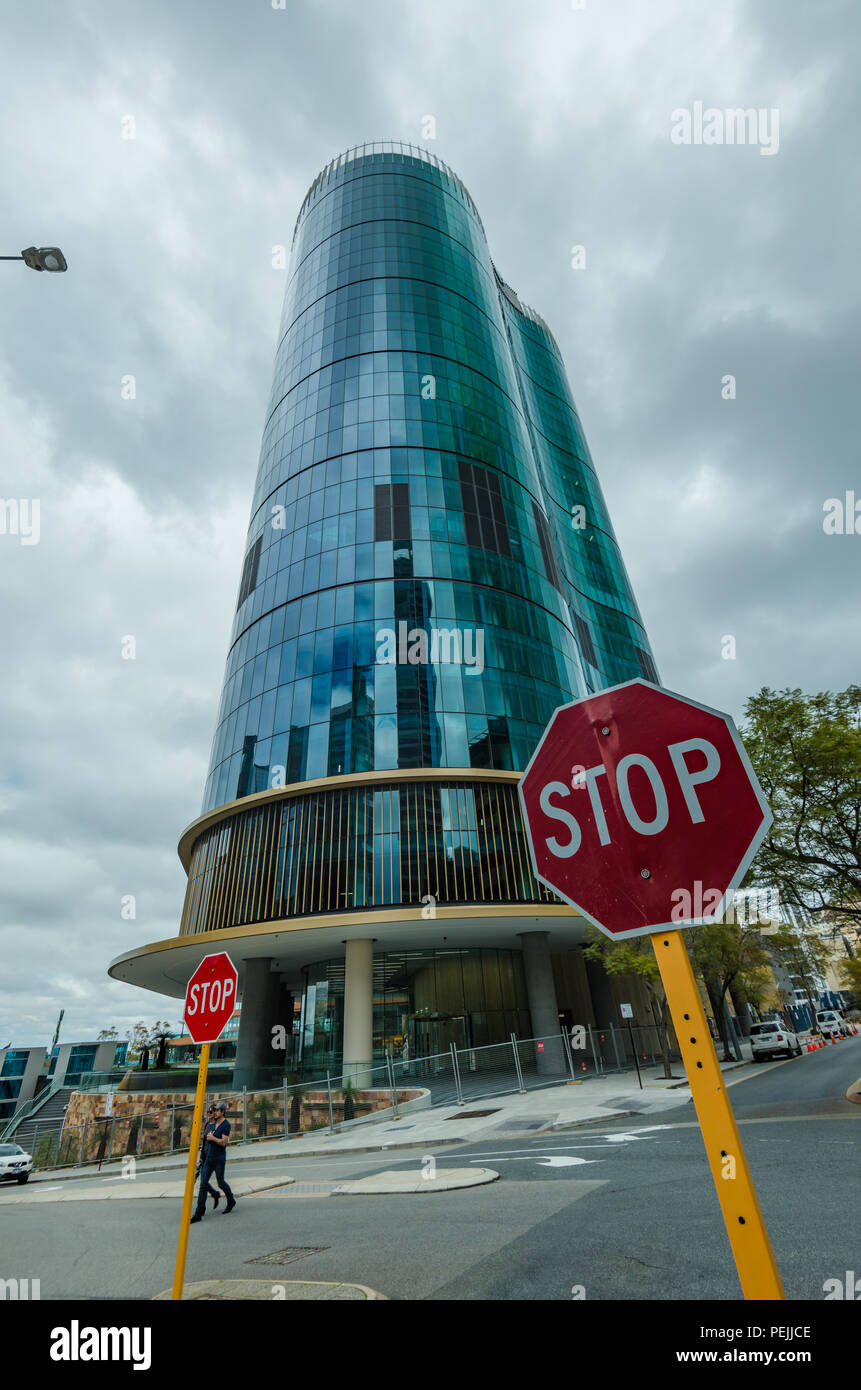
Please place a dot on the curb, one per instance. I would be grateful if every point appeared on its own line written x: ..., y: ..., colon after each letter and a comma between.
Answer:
x: 445, y: 1181
x: 214, y: 1290
x: 67, y: 1176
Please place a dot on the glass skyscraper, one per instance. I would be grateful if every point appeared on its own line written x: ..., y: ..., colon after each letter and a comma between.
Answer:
x: 429, y: 572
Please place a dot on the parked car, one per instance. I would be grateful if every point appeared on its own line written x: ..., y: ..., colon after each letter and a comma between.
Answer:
x: 772, y: 1038
x: 829, y: 1023
x: 14, y: 1162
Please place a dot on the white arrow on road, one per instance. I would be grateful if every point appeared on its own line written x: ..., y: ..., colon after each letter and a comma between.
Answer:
x: 564, y: 1161
x: 558, y: 1161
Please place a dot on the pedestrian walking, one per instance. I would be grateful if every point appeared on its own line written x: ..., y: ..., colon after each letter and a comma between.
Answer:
x: 214, y: 1163
x: 201, y: 1158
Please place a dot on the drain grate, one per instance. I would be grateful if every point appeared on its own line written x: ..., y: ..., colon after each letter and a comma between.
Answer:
x: 304, y: 1189
x: 472, y: 1114
x: 288, y: 1255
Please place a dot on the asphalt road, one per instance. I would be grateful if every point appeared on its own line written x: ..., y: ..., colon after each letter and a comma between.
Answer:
x: 625, y: 1209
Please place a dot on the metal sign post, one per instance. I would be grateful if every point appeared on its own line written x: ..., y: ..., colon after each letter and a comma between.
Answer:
x: 191, y: 1169
x: 627, y: 1014
x: 748, y: 1237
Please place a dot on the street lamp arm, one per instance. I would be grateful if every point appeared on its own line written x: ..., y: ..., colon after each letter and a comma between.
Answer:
x: 41, y: 258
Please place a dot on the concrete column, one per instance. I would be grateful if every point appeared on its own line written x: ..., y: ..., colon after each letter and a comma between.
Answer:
x: 603, y: 1005
x: 543, y: 1007
x: 359, y: 1011
x: 262, y: 1009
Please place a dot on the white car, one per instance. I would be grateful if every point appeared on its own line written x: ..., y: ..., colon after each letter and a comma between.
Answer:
x: 771, y: 1038
x: 829, y: 1023
x: 14, y: 1162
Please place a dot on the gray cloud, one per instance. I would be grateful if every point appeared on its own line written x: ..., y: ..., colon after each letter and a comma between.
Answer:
x: 701, y: 261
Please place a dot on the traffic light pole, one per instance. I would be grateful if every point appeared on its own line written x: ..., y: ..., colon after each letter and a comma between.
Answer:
x: 193, y: 1149
x: 748, y: 1238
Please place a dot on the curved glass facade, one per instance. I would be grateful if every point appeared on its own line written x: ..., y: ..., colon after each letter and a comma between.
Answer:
x: 423, y: 471
x: 355, y: 847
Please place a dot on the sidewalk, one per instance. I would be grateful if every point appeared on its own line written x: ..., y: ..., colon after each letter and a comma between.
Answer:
x: 541, y: 1109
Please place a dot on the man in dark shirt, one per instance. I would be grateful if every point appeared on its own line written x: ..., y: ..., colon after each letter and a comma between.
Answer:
x: 210, y: 1121
x: 214, y: 1162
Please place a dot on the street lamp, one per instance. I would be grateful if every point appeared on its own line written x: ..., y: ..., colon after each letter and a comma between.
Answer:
x: 41, y: 258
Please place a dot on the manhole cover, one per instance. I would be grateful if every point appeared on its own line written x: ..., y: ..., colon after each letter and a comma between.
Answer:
x: 305, y: 1189
x: 288, y: 1255
x: 472, y: 1114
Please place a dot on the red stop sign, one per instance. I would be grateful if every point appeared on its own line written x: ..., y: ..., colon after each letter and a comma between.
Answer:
x: 210, y: 997
x: 642, y: 809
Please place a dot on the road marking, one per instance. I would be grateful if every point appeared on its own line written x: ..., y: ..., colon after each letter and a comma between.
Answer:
x: 529, y: 1158
x: 558, y: 1161
x: 513, y: 1153
x: 571, y: 1144
x: 563, y: 1161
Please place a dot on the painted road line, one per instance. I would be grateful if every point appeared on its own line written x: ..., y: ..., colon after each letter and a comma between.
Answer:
x: 531, y: 1153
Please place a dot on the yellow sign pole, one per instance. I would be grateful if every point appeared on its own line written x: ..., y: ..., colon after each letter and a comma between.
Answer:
x: 194, y: 1146
x: 751, y: 1248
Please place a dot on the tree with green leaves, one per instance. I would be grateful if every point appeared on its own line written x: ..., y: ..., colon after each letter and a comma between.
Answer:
x: 726, y: 955
x: 806, y: 751
x: 263, y: 1107
x: 144, y: 1035
x: 635, y: 956
x: 804, y: 957
x: 850, y: 970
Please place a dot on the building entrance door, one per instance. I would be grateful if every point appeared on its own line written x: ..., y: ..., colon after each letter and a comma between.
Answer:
x: 432, y: 1036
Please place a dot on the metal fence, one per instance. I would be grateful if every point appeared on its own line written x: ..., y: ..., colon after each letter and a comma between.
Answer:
x: 457, y: 1077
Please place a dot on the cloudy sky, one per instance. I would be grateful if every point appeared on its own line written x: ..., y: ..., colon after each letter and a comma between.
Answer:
x: 701, y: 262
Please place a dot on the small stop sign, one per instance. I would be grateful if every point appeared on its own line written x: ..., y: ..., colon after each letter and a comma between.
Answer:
x: 210, y: 998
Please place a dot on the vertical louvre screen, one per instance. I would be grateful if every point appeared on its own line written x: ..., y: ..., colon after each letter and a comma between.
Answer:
x: 584, y: 637
x: 249, y: 571
x: 361, y: 847
x: 483, y: 508
x: 647, y: 666
x: 545, y: 540
x: 392, y: 512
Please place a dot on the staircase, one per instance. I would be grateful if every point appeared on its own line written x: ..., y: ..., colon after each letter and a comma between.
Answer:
x: 46, y: 1118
